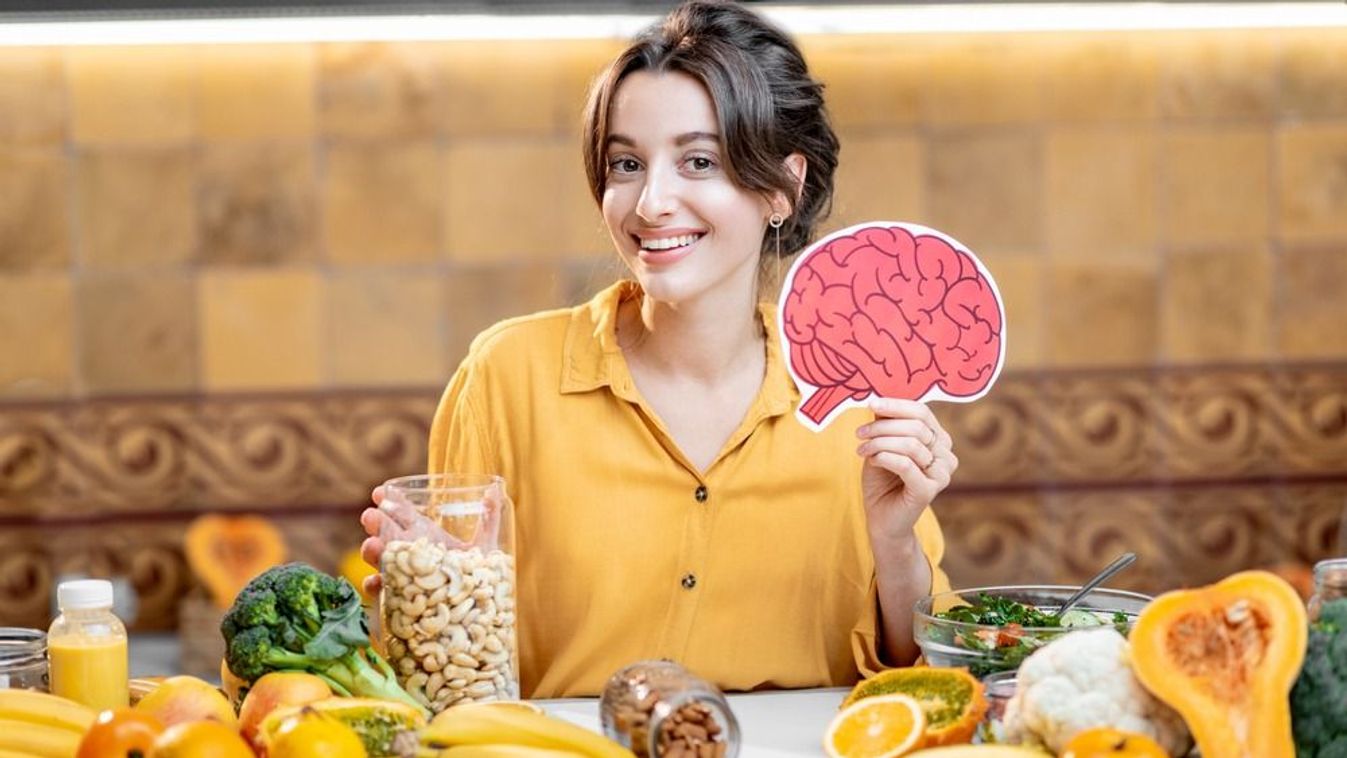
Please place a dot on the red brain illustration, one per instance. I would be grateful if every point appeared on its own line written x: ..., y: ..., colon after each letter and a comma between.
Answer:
x: 885, y: 311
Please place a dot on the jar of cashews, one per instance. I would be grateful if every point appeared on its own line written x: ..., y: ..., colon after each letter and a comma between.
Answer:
x: 448, y: 598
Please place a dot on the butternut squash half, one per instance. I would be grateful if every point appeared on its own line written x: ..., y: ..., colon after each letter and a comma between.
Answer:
x: 1225, y: 657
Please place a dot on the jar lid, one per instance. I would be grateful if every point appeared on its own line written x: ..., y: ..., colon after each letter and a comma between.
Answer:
x: 81, y: 594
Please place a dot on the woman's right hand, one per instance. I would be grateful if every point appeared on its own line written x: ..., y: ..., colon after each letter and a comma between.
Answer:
x: 373, y: 547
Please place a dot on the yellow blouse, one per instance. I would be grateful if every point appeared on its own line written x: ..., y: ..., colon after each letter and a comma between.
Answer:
x: 756, y: 574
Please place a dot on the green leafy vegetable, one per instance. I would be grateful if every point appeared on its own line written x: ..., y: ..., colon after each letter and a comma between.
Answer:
x: 296, y: 618
x: 1318, y: 718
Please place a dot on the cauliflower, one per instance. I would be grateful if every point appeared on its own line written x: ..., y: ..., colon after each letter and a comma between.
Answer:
x: 1082, y: 680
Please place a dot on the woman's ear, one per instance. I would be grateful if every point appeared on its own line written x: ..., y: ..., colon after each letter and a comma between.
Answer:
x: 798, y: 167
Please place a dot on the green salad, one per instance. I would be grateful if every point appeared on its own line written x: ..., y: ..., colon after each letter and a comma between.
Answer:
x: 1005, y: 647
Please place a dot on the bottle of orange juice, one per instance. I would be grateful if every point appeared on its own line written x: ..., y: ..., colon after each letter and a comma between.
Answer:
x: 87, y: 646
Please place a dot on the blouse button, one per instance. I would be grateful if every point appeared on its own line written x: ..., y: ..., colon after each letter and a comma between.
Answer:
x: 689, y: 581
x: 700, y: 494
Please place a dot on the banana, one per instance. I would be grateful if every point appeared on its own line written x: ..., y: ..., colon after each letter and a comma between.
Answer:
x: 38, y: 739
x: 33, y: 707
x: 516, y: 726
x: 492, y: 751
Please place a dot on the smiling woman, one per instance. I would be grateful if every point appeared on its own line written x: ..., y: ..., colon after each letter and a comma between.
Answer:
x: 668, y: 504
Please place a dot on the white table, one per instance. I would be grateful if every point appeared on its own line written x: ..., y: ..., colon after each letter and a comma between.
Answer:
x: 781, y: 724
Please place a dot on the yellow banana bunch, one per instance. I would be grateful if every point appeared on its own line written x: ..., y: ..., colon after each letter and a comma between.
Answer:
x: 38, y: 739
x: 492, y: 751
x: 35, y: 723
x: 503, y: 731
x: 41, y: 708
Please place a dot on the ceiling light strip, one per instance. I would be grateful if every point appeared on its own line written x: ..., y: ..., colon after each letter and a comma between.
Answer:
x: 908, y: 19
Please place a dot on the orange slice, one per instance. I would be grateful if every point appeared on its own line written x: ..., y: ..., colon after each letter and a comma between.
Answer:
x: 884, y: 726
x: 952, y: 699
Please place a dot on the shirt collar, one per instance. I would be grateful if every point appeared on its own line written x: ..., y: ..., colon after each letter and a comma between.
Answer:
x: 592, y: 359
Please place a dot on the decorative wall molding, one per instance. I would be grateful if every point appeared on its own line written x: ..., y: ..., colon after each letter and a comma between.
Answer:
x: 1203, y: 471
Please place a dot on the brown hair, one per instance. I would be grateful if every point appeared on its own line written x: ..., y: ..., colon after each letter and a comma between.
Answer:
x: 767, y: 105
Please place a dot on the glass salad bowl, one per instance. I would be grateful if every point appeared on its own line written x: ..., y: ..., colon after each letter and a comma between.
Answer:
x: 993, y: 629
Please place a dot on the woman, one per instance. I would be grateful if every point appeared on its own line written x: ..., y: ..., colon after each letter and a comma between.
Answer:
x: 667, y: 502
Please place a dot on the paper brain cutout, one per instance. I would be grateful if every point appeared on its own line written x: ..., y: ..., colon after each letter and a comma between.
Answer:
x: 890, y: 309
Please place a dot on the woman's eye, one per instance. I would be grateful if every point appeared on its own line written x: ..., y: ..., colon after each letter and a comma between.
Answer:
x: 624, y: 165
x: 701, y: 163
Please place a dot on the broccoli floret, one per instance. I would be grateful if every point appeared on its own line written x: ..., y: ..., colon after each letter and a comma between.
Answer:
x: 296, y: 618
x: 1319, y: 698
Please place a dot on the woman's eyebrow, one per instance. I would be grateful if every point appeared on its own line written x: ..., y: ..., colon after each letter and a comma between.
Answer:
x: 684, y: 139
x: 680, y: 140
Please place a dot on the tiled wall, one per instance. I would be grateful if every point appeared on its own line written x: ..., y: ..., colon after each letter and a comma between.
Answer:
x: 237, y: 218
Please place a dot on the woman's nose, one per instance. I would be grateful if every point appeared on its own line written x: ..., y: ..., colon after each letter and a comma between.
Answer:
x: 656, y: 199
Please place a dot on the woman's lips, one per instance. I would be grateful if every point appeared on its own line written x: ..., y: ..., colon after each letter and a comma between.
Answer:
x: 666, y: 257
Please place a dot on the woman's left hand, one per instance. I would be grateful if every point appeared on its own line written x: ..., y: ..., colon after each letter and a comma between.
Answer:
x: 909, y: 459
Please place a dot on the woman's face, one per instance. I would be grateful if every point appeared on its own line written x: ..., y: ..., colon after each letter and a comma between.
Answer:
x: 683, y: 228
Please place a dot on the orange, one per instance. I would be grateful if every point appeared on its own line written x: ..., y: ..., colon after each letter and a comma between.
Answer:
x: 316, y: 737
x: 1103, y: 742
x: 953, y: 700
x: 201, y: 739
x: 883, y: 726
x: 120, y: 733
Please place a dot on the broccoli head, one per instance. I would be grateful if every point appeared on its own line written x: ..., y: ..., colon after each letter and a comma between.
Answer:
x: 1318, y: 718
x: 296, y: 618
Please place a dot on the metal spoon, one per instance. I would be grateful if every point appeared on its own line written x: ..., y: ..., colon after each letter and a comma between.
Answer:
x: 1120, y: 563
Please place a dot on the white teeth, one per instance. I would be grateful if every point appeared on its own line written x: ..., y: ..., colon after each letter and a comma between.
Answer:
x: 668, y: 243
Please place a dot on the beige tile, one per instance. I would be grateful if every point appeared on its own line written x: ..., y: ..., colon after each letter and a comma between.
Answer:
x: 144, y: 94
x: 478, y: 297
x: 577, y: 64
x: 879, y: 178
x: 37, y: 353
x: 382, y: 202
x: 1311, y: 309
x: 137, y: 332
x: 1313, y: 67
x: 384, y: 329
x: 32, y: 96
x: 257, y: 204
x: 1214, y: 185
x: 1022, y: 282
x: 378, y: 89
x: 584, y: 234
x: 986, y: 190
x: 869, y: 80
x: 1101, y: 193
x: 258, y: 91
x: 260, y: 329
x: 1312, y: 176
x: 1102, y: 77
x: 991, y: 79
x: 137, y: 206
x: 1218, y: 75
x: 35, y: 210
x: 501, y: 199
x: 1217, y: 305
x: 1101, y: 314
x: 495, y: 87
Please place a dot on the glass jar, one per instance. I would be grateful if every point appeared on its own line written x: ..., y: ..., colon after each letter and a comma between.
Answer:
x: 659, y: 708
x: 1330, y: 583
x: 448, y: 600
x: 23, y: 659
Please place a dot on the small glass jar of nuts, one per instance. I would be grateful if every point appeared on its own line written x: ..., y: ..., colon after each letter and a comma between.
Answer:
x: 658, y: 709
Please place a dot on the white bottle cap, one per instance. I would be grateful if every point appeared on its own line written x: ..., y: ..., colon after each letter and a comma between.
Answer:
x: 84, y: 593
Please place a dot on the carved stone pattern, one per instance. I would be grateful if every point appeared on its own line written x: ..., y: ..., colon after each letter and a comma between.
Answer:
x: 155, y: 456
x: 1201, y: 471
